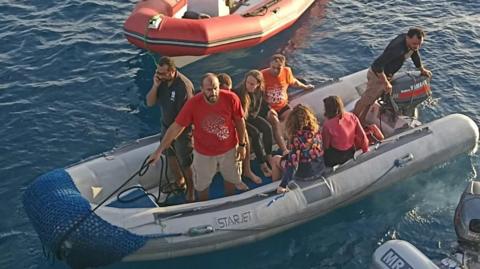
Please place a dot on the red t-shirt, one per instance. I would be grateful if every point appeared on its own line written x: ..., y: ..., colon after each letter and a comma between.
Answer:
x: 214, y: 131
x: 276, y: 94
x: 344, y: 133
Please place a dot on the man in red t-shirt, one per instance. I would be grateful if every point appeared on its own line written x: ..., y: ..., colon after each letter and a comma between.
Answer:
x: 278, y: 78
x: 219, y: 135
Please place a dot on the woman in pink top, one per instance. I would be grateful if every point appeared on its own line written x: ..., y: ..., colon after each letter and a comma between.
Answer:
x: 342, y: 133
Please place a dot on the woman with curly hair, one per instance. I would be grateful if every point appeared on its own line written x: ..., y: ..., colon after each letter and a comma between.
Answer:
x: 305, y: 159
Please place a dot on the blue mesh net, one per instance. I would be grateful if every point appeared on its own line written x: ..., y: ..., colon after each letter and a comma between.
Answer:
x: 54, y: 205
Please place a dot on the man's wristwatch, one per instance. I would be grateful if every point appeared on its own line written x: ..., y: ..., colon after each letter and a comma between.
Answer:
x: 242, y: 144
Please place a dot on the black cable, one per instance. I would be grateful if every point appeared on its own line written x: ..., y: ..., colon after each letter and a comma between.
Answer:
x: 123, y: 200
x: 162, y: 188
x: 179, y: 164
x: 160, y: 180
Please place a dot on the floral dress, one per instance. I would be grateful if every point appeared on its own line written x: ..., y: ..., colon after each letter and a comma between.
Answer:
x: 305, y: 160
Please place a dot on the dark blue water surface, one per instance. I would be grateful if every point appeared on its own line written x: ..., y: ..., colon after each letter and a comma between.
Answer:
x: 71, y: 86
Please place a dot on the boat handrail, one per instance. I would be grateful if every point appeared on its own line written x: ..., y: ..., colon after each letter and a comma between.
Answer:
x: 386, y: 145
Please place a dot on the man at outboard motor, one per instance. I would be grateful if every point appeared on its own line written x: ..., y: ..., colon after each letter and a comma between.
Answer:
x: 386, y: 65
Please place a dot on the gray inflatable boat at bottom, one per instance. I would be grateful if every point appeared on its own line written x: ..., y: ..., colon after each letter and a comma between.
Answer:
x: 257, y: 214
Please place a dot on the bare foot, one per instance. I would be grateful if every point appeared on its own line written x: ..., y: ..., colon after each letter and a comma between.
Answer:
x: 281, y: 189
x: 241, y: 186
x: 254, y: 178
x: 266, y: 170
x: 181, y: 184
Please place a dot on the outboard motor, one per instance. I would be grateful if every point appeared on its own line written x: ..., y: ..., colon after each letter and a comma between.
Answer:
x: 467, y: 216
x: 467, y: 227
x: 409, y: 89
x: 399, y: 254
x: 398, y: 111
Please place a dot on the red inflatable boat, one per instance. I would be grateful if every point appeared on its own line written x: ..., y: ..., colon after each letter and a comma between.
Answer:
x: 202, y: 27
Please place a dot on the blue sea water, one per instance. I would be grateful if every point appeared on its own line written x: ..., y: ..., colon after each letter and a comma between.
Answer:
x: 71, y: 86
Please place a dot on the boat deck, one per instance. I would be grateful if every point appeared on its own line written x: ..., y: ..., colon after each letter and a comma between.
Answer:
x: 217, y: 187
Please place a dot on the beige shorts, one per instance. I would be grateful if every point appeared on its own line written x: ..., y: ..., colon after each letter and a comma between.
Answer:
x: 205, y: 167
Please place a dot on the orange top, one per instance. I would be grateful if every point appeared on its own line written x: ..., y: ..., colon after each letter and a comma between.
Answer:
x: 276, y: 94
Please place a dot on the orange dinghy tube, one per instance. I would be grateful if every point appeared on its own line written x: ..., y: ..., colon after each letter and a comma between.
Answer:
x: 158, y: 26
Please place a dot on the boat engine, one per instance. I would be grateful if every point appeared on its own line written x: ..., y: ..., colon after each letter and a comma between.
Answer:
x: 467, y: 227
x: 467, y: 216
x: 398, y: 111
x: 409, y: 89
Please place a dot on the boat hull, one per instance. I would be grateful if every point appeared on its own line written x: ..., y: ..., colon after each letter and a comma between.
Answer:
x: 397, y: 158
x: 175, y: 36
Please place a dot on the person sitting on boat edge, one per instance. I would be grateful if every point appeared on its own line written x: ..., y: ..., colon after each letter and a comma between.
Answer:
x: 259, y: 130
x: 305, y: 159
x: 278, y: 78
x: 225, y: 81
x: 386, y: 65
x: 171, y: 89
x: 219, y: 133
x: 341, y: 133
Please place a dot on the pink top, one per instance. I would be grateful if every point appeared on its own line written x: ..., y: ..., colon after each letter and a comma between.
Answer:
x: 344, y: 133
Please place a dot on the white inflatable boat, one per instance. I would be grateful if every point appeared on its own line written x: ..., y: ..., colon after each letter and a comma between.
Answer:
x: 133, y: 226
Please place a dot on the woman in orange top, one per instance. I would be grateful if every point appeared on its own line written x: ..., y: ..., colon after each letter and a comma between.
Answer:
x: 342, y: 133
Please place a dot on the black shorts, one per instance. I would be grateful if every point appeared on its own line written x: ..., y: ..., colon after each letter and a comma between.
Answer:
x: 182, y: 147
x: 334, y: 156
x: 264, y: 111
x: 283, y: 110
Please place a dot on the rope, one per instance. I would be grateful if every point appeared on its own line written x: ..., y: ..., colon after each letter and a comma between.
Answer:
x: 261, y: 11
x: 123, y: 200
x: 162, y: 188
